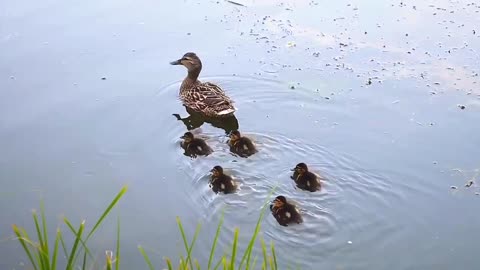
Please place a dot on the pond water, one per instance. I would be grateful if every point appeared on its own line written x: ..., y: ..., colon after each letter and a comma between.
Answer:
x: 368, y: 93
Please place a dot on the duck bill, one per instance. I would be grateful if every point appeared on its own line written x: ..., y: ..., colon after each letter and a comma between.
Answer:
x: 182, y: 137
x: 292, y: 170
x: 176, y: 62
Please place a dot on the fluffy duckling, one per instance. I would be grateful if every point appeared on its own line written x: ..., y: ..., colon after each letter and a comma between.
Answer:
x: 304, y: 179
x: 284, y: 212
x: 240, y: 145
x: 221, y: 182
x: 194, y: 146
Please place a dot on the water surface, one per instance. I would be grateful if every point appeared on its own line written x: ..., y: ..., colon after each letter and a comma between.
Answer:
x: 368, y: 93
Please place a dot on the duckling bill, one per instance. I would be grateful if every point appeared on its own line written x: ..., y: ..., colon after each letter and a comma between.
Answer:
x: 241, y: 145
x: 194, y: 146
x: 202, y: 97
x: 305, y: 179
x: 284, y: 212
x: 221, y: 182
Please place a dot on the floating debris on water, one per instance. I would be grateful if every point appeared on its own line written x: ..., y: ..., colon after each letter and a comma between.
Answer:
x: 235, y: 3
x: 461, y: 107
x: 291, y: 44
x: 469, y: 183
x: 453, y: 187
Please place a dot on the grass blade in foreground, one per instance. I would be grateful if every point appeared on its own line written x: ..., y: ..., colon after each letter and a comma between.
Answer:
x: 147, y: 259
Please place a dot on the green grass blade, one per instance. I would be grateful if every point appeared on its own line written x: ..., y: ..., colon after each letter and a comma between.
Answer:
x: 84, y: 263
x: 169, y: 264
x: 254, y: 262
x: 272, y: 248
x: 109, y: 259
x: 40, y: 250
x: 248, y: 251
x: 84, y: 245
x: 183, y: 263
x: 219, y: 262
x: 44, y: 225
x: 146, y: 258
x: 214, y: 244
x: 234, y: 249
x: 73, y: 251
x: 185, y: 243
x: 264, y: 251
x: 64, y: 247
x: 117, y: 253
x: 107, y: 211
x: 22, y: 241
x: 197, y: 264
x: 55, y: 251
x: 192, y: 244
x: 225, y: 263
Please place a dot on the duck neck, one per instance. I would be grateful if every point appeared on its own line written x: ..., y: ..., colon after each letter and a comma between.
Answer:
x: 191, y: 79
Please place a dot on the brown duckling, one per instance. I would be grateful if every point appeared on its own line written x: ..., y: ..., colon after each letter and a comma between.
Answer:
x: 194, y: 146
x: 240, y: 145
x: 284, y: 212
x: 221, y: 182
x: 304, y: 179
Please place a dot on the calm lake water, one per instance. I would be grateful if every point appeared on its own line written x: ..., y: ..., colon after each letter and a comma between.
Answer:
x: 368, y: 93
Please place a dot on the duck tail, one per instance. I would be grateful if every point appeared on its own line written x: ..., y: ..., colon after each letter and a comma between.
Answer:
x: 227, y: 111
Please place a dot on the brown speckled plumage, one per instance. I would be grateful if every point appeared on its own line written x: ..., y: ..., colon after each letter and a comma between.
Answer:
x: 203, y: 97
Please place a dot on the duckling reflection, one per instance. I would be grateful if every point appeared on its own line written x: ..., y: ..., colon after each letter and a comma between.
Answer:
x: 284, y: 212
x: 194, y: 146
x: 304, y: 179
x: 195, y: 120
x: 221, y: 182
x: 241, y: 145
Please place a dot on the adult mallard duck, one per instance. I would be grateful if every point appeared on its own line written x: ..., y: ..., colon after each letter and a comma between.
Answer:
x: 221, y: 182
x: 203, y: 97
x: 194, y: 146
x: 284, y: 212
x: 240, y: 145
x: 304, y: 179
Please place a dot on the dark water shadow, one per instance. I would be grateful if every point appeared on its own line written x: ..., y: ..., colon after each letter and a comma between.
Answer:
x: 196, y: 119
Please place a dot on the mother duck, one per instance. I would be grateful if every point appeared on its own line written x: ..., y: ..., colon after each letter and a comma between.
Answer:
x: 202, y: 97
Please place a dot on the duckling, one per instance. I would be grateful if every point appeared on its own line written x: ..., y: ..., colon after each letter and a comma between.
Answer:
x: 194, y: 146
x: 221, y: 182
x: 206, y: 97
x: 304, y: 179
x: 284, y: 212
x: 240, y: 145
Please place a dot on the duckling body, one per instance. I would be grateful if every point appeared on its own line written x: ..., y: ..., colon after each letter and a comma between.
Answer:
x: 220, y: 182
x: 195, y: 146
x: 204, y: 97
x: 240, y: 145
x: 305, y: 179
x: 284, y: 212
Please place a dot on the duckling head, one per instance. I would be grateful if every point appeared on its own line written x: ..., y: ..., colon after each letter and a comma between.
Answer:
x: 235, y: 135
x: 300, y: 168
x: 190, y: 60
x: 279, y: 201
x: 187, y: 137
x: 217, y: 171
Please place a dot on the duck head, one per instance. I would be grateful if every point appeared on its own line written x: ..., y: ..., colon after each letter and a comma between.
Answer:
x: 190, y: 60
x: 235, y: 135
x: 217, y: 171
x: 301, y: 168
x: 187, y: 137
x: 279, y: 202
